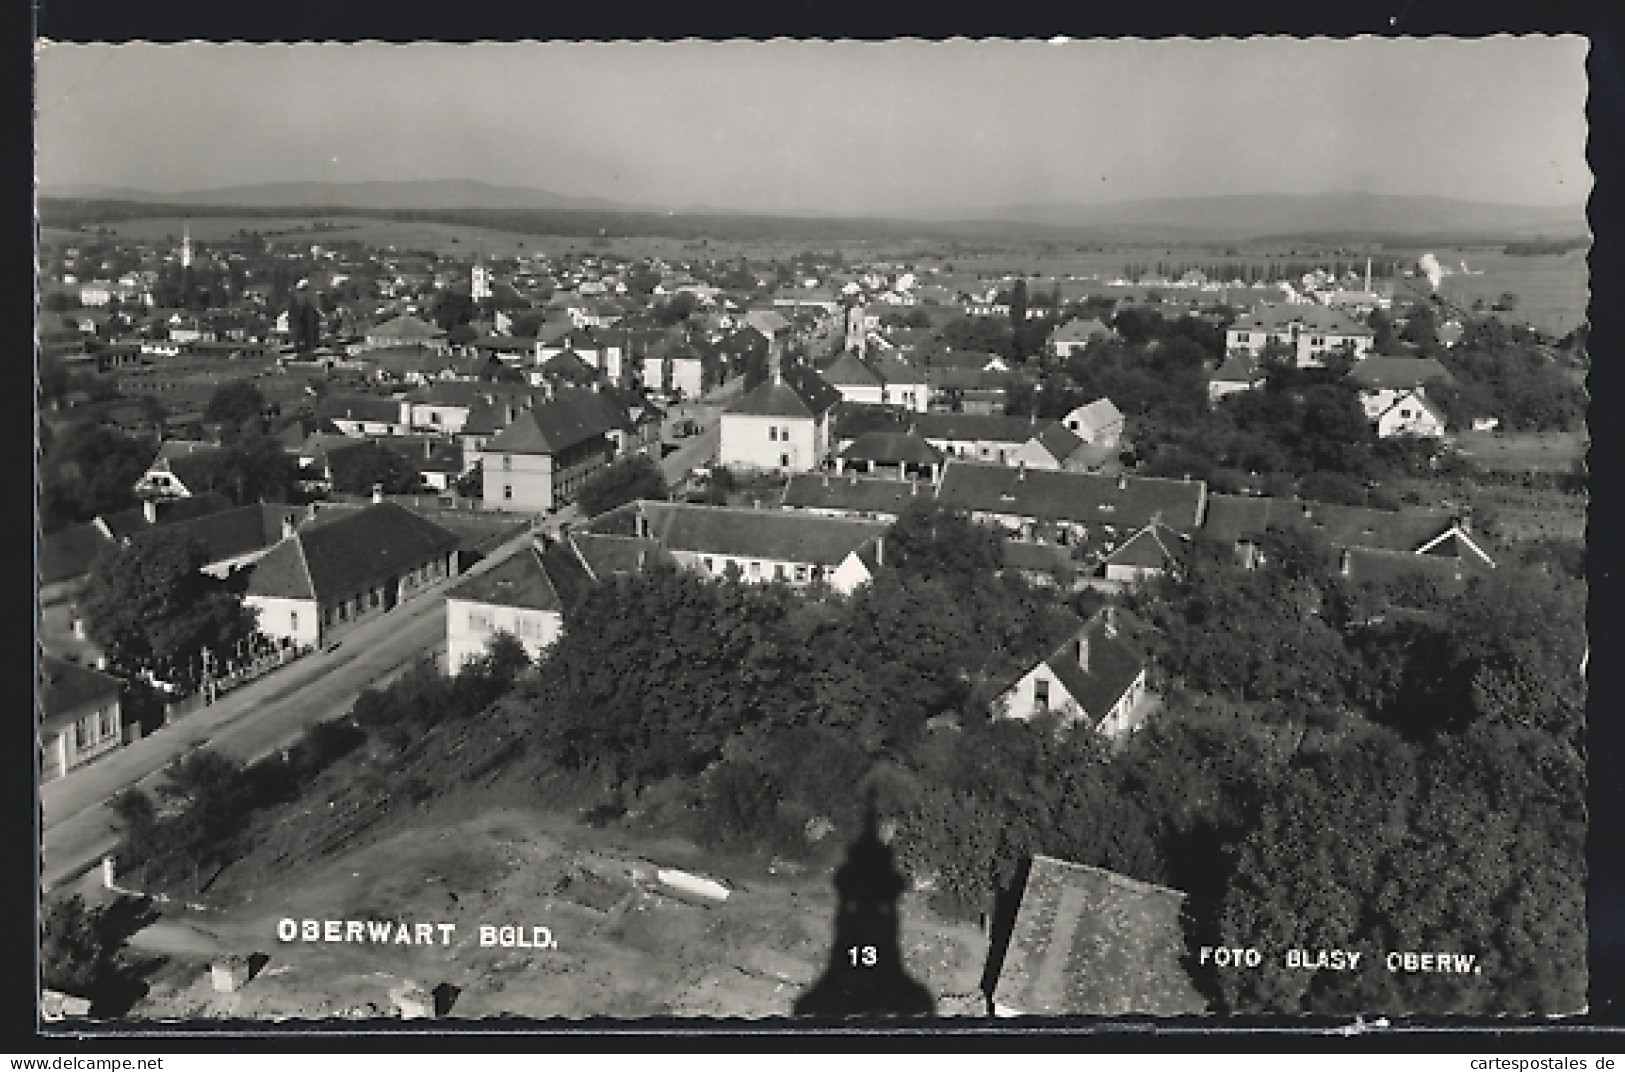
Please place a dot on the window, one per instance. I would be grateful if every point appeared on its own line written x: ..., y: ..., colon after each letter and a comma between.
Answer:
x: 755, y: 569
x: 434, y: 417
x: 778, y: 571
x: 105, y: 723
x: 374, y: 595
x: 479, y: 621
x: 801, y: 574
x: 344, y: 612
x: 784, y: 461
x: 507, y: 491
x: 293, y: 621
x: 1404, y: 411
x: 1041, y: 692
x: 507, y: 461
x: 773, y: 432
x: 84, y: 732
x: 709, y: 565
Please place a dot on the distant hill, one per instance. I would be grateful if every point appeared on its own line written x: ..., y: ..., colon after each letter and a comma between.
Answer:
x: 1195, y: 219
x: 412, y: 195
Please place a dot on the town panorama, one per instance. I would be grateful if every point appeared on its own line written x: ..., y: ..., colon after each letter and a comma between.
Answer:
x: 455, y: 608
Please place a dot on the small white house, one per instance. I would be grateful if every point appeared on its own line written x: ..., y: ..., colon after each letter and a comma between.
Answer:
x: 1411, y: 415
x: 1094, y: 677
x: 516, y: 597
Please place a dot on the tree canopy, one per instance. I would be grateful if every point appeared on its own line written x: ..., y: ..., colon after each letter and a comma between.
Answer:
x: 634, y: 477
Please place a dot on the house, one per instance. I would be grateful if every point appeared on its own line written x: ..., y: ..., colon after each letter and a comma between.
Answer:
x: 1239, y: 372
x: 1382, y: 380
x: 1074, y: 336
x: 330, y: 575
x: 1411, y: 414
x: 783, y: 424
x: 1311, y: 331
x: 881, y: 380
x: 543, y: 457
x: 578, y: 559
x: 412, y: 364
x: 753, y: 545
x: 80, y: 716
x: 1097, y: 422
x: 1154, y: 551
x: 404, y: 330
x: 1013, y: 441
x: 773, y: 327
x: 1431, y: 540
x: 1071, y: 508
x: 1095, y: 677
x: 516, y: 597
x: 181, y: 468
x: 1090, y: 942
x: 365, y: 415
x: 679, y: 367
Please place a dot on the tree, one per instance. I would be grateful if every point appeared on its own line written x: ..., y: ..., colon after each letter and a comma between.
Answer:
x: 1018, y: 305
x: 636, y: 477
x: 930, y: 540
x: 90, y: 470
x: 75, y: 954
x: 235, y: 400
x: 150, y: 606
x: 358, y: 470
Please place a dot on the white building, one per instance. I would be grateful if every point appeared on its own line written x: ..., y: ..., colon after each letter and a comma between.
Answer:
x: 516, y: 597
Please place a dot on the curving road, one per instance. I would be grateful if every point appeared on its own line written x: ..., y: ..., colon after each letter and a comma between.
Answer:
x: 247, y: 723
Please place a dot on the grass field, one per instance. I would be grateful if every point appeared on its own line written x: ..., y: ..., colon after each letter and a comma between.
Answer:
x: 1536, y: 452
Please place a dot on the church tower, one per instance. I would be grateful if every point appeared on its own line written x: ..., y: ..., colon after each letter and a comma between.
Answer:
x: 186, y: 245
x: 480, y: 283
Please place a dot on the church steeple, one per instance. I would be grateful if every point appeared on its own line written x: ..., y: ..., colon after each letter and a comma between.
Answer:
x: 186, y: 244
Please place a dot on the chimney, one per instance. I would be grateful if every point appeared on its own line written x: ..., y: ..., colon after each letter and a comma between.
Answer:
x: 1081, y: 647
x: 774, y: 366
x: 377, y: 493
x: 914, y: 486
x: 149, y: 510
x: 1345, y: 562
x: 880, y: 550
x: 287, y: 525
x: 1108, y: 620
x: 1465, y: 521
x: 1021, y: 470
x: 1122, y: 481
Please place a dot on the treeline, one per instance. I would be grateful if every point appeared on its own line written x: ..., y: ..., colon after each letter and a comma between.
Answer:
x: 1546, y: 247
x: 1427, y: 723
x: 1252, y: 271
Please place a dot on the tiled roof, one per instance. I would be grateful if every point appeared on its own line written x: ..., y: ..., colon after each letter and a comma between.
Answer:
x: 132, y: 522
x: 1080, y: 330
x: 519, y: 581
x: 566, y: 420
x: 1239, y: 368
x: 65, y: 687
x: 1154, y: 547
x: 803, y: 393
x: 1246, y: 517
x: 852, y: 494
x: 1113, y: 666
x: 766, y: 321
x: 1316, y: 319
x: 359, y: 408
x: 335, y: 558
x: 237, y: 531
x: 1085, y: 498
x: 605, y: 555
x: 1096, y: 417
x: 1379, y: 372
x: 781, y: 535
x: 1059, y: 440
x: 1090, y: 942
x: 992, y: 428
x: 1364, y: 565
x: 1039, y: 558
x: 849, y: 370
x: 892, y: 448
x: 405, y: 326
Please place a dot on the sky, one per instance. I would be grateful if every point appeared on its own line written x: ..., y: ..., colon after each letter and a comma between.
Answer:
x: 840, y: 127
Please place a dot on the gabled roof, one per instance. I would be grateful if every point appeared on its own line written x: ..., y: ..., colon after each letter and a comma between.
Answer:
x: 1058, y: 440
x: 1039, y: 558
x: 1080, y: 330
x: 519, y: 581
x: 1090, y: 942
x: 405, y: 327
x: 1413, y: 397
x: 892, y: 448
x: 1315, y: 319
x: 238, y: 531
x: 1113, y: 667
x: 801, y: 393
x: 64, y: 687
x: 1154, y: 547
x: 1083, y: 498
x: 132, y: 522
x: 777, y: 535
x: 1381, y: 372
x: 850, y: 370
x: 1095, y: 417
x: 1239, y: 368
x: 766, y: 321
x: 568, y: 419
x: 1365, y: 565
x: 328, y: 560
x: 852, y: 494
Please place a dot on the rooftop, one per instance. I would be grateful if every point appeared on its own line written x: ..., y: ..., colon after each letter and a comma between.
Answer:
x: 519, y: 581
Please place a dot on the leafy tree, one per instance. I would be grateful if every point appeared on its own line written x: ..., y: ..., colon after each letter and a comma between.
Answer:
x: 76, y: 955
x: 150, y: 606
x: 90, y: 470
x: 452, y: 308
x: 930, y: 540
x: 635, y: 477
x: 1018, y: 305
x: 358, y: 470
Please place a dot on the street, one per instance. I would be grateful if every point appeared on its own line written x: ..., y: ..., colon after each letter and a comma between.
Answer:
x: 248, y: 723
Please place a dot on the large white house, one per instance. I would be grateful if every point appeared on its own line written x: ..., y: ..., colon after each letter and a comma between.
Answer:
x: 1312, y: 332
x: 516, y: 597
x: 783, y: 424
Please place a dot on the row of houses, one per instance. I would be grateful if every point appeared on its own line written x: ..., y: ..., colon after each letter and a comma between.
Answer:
x: 1392, y: 389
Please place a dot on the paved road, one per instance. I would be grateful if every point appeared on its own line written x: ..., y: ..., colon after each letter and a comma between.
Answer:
x: 246, y: 724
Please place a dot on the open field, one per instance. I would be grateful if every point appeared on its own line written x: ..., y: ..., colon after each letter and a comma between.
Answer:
x: 1535, y: 452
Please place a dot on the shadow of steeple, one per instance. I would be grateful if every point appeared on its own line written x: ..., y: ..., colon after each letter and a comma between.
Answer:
x: 865, y: 974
